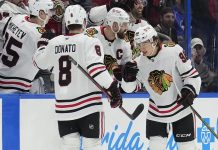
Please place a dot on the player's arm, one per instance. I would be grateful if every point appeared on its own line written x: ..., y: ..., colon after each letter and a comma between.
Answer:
x: 41, y: 58
x: 190, y: 77
x: 97, y: 70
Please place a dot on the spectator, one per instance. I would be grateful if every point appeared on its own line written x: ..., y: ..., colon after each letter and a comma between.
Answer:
x: 208, y: 77
x: 166, y: 26
x: 204, y: 23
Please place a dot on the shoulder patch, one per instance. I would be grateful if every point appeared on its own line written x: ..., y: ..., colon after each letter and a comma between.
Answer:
x: 169, y: 44
x: 40, y: 29
x: 91, y: 31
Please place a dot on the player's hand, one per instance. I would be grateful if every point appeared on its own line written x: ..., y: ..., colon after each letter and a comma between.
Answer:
x: 118, y: 73
x: 46, y: 36
x: 115, y: 95
x: 130, y: 71
x: 187, y: 97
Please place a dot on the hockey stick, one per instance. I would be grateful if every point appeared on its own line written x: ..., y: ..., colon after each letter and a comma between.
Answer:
x: 132, y: 116
x: 204, y: 122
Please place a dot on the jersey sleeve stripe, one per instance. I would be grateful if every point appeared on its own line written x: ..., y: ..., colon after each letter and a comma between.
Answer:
x: 193, y: 72
x: 97, y: 68
x: 91, y: 65
x: 187, y: 72
x: 191, y: 88
x: 95, y: 75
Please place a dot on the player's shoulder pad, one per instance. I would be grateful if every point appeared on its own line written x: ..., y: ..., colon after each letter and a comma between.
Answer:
x: 41, y: 30
x: 91, y: 31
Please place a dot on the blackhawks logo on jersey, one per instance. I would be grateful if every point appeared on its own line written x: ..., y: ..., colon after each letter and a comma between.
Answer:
x: 91, y: 31
x: 159, y: 81
x: 40, y: 29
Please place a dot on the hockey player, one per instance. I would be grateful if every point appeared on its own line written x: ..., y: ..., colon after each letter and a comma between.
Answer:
x: 78, y: 100
x: 21, y: 34
x: 134, y: 8
x: 116, y: 49
x: 172, y: 83
x: 9, y: 8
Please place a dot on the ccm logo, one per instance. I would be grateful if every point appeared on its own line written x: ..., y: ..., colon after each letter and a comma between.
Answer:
x: 183, y: 135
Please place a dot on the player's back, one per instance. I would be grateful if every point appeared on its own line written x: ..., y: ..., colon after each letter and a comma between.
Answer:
x: 74, y: 92
x: 71, y: 81
x: 17, y: 69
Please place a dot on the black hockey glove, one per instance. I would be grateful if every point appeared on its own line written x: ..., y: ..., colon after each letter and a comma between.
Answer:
x: 130, y: 71
x: 46, y: 36
x: 118, y: 73
x: 115, y: 95
x: 187, y: 97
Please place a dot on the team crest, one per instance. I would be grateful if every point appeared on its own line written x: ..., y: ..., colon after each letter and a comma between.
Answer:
x: 91, y: 31
x: 159, y: 81
x: 130, y: 35
x: 169, y: 43
x: 41, y: 29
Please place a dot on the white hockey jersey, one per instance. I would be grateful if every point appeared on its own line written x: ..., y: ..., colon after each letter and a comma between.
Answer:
x: 76, y: 95
x: 119, y: 49
x: 16, y: 67
x: 8, y: 9
x: 163, y: 77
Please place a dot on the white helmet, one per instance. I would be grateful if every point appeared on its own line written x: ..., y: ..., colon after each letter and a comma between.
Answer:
x: 36, y: 5
x: 116, y: 15
x: 75, y: 14
x: 145, y: 33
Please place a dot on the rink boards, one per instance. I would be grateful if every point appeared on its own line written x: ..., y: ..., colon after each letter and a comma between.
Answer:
x: 28, y: 122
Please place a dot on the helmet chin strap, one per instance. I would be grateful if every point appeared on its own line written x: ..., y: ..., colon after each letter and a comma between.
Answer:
x: 115, y: 32
x: 154, y: 47
x: 45, y: 21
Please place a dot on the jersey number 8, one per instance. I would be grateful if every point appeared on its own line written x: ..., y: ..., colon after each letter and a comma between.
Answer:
x: 64, y: 71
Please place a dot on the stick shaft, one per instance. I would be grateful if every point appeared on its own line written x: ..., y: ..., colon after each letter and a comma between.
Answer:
x: 204, y: 122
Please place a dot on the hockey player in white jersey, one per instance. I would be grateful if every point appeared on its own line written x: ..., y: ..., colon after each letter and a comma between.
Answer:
x: 78, y: 100
x: 134, y: 8
x: 116, y: 49
x: 21, y: 34
x: 10, y: 8
x: 172, y: 83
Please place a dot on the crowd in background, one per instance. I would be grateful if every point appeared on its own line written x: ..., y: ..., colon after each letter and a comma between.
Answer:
x: 168, y: 18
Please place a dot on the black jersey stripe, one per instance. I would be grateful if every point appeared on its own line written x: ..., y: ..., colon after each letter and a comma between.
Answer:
x: 14, y: 88
x: 165, y: 116
x: 98, y: 73
x: 99, y: 63
x: 166, y: 106
x: 187, y: 72
x: 78, y: 109
x: 80, y: 97
x: 16, y: 78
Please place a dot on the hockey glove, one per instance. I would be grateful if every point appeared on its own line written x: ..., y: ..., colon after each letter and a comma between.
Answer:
x: 130, y: 71
x: 115, y: 95
x: 46, y: 36
x: 187, y: 97
x: 118, y: 73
